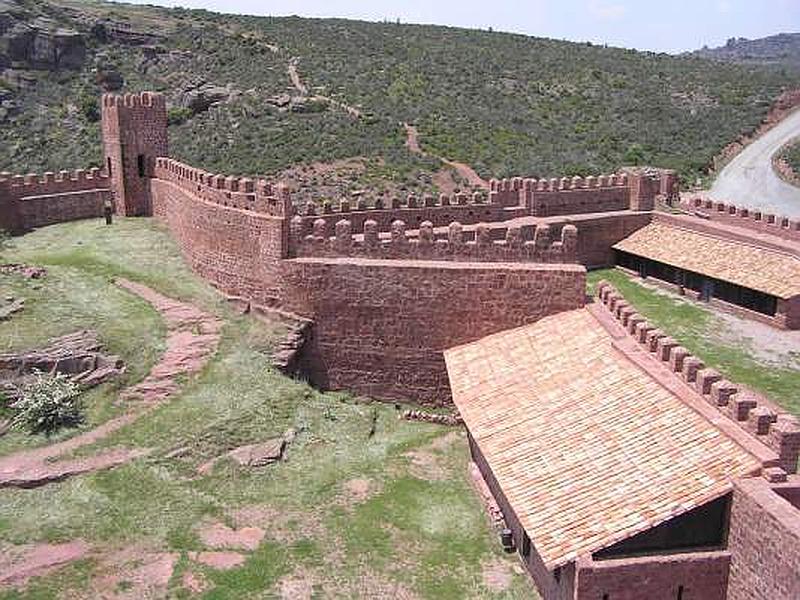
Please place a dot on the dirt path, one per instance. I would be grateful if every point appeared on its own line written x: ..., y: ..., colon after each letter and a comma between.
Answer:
x: 466, y: 172
x: 193, y: 337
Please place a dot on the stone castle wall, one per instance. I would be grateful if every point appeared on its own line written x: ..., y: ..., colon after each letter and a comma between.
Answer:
x: 764, y: 541
x: 237, y: 250
x: 380, y: 326
x: 134, y: 130
x: 689, y: 576
x: 29, y: 201
x: 748, y: 218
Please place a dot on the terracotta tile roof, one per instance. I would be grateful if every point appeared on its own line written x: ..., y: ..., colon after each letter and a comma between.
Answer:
x: 587, y: 448
x: 756, y: 268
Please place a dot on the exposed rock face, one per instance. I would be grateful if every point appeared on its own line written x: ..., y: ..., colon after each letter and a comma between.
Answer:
x: 77, y: 354
x: 109, y: 79
x: 42, y: 45
x: 204, y: 96
x: 254, y: 455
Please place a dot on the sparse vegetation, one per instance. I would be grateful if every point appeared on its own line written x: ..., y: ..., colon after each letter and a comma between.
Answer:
x: 505, y: 104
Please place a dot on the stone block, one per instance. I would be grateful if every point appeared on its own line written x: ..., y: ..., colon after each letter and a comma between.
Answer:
x: 721, y: 392
x: 664, y: 348
x: 705, y: 378
x: 676, y: 358
x: 691, y: 366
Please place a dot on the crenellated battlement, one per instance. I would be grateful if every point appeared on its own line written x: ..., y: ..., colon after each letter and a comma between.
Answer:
x: 49, y: 183
x: 564, y: 195
x: 440, y: 210
x: 740, y: 216
x: 142, y: 99
x: 243, y: 193
x: 775, y: 428
x: 373, y: 242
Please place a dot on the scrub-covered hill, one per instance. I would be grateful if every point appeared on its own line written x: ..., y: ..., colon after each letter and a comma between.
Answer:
x: 329, y: 98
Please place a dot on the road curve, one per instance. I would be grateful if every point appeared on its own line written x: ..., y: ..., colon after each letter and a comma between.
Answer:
x: 749, y: 179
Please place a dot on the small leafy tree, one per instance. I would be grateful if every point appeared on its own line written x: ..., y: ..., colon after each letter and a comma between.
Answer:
x: 48, y: 403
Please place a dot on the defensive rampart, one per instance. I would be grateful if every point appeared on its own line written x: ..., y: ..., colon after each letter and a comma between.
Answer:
x: 380, y: 326
x: 764, y: 540
x: 740, y: 216
x: 29, y: 201
x: 232, y: 232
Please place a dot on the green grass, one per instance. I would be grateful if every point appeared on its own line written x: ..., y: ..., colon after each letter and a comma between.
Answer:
x: 699, y: 330
x: 419, y: 528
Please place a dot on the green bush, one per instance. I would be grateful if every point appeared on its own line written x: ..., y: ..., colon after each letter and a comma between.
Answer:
x: 47, y: 404
x: 88, y: 106
x: 177, y: 115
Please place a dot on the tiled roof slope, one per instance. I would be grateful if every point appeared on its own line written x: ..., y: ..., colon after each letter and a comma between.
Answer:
x: 749, y: 266
x: 587, y: 448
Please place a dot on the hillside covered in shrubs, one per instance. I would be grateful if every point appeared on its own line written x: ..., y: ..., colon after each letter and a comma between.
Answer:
x: 504, y: 104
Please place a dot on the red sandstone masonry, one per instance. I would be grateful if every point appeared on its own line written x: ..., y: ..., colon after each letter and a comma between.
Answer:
x: 740, y: 216
x: 441, y: 211
x: 700, y: 575
x: 237, y: 250
x: 380, y: 326
x: 243, y: 193
x: 134, y: 129
x: 29, y: 201
x: 396, y: 245
x: 764, y: 541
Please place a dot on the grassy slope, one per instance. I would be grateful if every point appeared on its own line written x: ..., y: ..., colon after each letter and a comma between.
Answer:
x: 699, y: 330
x: 423, y: 528
x: 508, y: 104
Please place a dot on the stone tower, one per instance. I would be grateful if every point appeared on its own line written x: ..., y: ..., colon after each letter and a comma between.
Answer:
x: 134, y: 135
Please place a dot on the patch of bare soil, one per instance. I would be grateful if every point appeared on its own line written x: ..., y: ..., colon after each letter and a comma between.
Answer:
x: 192, y: 339
x: 443, y: 179
x: 134, y: 573
x: 767, y: 344
x: 219, y: 535
x: 428, y: 462
x: 18, y: 564
x: 357, y: 491
x: 218, y: 560
x: 368, y: 585
x: 296, y: 586
x: 285, y: 526
x: 466, y: 172
x: 497, y: 575
x: 196, y: 583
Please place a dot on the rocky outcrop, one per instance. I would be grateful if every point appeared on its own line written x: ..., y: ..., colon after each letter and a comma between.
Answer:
x: 203, y: 96
x: 41, y: 44
x: 78, y: 355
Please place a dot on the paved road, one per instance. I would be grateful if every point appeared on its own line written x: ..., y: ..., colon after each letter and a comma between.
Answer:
x: 749, y: 179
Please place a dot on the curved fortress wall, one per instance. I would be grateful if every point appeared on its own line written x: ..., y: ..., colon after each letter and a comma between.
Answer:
x: 384, y: 301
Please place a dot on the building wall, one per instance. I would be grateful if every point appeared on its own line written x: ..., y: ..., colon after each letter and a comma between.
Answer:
x: 597, y: 234
x: 380, y: 326
x: 688, y: 576
x: 548, y: 586
x: 764, y: 543
x: 235, y: 249
x: 33, y: 201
